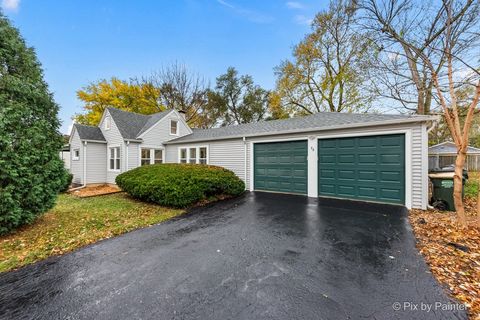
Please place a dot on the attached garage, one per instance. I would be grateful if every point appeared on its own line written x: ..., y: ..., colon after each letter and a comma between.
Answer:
x: 369, y: 168
x: 281, y: 166
x: 366, y: 157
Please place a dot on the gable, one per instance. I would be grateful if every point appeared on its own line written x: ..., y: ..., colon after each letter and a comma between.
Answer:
x: 160, y: 132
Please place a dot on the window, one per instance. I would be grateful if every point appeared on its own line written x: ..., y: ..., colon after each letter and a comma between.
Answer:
x: 174, y: 127
x: 193, y: 155
x: 76, y: 154
x: 202, y: 155
x: 107, y: 123
x: 151, y: 156
x: 114, y: 159
x: 145, y: 157
x: 158, y: 156
x: 183, y: 155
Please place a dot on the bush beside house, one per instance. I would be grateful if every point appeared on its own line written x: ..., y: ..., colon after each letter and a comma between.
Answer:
x: 179, y: 185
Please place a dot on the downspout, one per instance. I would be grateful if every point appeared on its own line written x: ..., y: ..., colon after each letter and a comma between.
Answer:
x: 245, y: 161
x: 433, y: 125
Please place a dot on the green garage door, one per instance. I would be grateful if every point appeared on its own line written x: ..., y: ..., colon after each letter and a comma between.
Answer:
x: 365, y: 168
x: 281, y: 166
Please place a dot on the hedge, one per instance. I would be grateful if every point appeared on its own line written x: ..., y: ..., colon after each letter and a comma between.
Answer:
x: 179, y: 185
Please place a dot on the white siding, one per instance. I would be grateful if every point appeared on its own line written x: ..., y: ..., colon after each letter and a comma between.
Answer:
x: 225, y: 153
x: 96, y: 162
x: 133, y: 155
x: 229, y: 154
x: 114, y: 139
x: 76, y: 166
x: 160, y: 132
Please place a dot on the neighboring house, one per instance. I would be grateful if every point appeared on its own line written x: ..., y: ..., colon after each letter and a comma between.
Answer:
x: 369, y: 157
x: 444, y: 154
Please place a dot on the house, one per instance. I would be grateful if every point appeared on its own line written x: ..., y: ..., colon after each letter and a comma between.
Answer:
x: 444, y: 154
x: 64, y: 154
x: 368, y: 157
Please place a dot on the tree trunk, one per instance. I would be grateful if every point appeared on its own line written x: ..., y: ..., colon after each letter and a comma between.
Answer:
x: 457, y: 188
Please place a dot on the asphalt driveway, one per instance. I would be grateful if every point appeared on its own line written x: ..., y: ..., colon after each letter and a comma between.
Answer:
x: 261, y: 256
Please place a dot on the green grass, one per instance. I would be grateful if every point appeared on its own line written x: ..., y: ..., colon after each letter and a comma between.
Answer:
x: 76, y: 222
x: 471, y: 187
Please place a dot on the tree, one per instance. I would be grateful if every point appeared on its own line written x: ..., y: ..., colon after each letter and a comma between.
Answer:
x: 456, y: 23
x: 403, y: 74
x: 329, y: 68
x: 236, y: 100
x: 31, y: 172
x: 172, y: 87
x: 133, y: 95
x: 182, y: 89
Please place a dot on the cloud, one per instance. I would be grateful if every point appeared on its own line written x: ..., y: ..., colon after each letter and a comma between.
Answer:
x: 302, y: 20
x: 10, y: 5
x: 294, y: 5
x: 251, y: 15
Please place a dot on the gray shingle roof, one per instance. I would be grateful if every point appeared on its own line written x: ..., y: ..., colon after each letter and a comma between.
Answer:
x: 448, y: 147
x: 318, y: 121
x: 131, y: 124
x: 89, y: 132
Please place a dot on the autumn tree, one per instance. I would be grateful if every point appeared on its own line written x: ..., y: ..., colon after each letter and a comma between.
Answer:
x: 140, y: 97
x: 236, y: 99
x: 329, y: 70
x: 453, y: 61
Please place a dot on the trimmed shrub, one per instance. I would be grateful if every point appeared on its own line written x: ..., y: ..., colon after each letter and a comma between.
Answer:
x: 179, y: 185
x: 67, y: 181
x: 31, y: 172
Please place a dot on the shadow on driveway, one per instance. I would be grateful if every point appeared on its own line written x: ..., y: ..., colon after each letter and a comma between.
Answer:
x: 261, y: 256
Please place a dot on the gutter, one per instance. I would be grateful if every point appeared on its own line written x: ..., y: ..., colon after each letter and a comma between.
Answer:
x: 305, y: 130
x: 93, y: 141
x: 133, y: 140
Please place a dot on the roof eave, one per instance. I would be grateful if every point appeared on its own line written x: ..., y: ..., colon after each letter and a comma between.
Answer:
x: 94, y: 141
x: 339, y: 127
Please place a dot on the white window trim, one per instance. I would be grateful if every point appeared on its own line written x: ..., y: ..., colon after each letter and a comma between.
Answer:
x: 197, y: 154
x: 75, y: 158
x: 152, y: 153
x: 108, y: 123
x: 178, y: 127
x: 109, y: 158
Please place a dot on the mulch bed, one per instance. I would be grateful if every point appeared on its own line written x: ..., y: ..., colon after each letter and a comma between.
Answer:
x: 452, y: 253
x: 96, y: 191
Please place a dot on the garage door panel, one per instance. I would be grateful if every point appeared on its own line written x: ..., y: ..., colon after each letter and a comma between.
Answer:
x: 369, y: 192
x: 281, y: 166
x: 365, y: 168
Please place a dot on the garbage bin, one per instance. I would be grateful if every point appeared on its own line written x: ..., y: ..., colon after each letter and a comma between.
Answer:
x: 442, y: 180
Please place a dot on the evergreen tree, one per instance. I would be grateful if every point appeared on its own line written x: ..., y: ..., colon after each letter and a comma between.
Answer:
x: 31, y: 172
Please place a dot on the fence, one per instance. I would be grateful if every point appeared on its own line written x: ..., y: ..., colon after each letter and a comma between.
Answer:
x: 440, y: 161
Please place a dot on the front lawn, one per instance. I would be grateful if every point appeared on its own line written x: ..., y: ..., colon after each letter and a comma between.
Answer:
x: 76, y: 222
